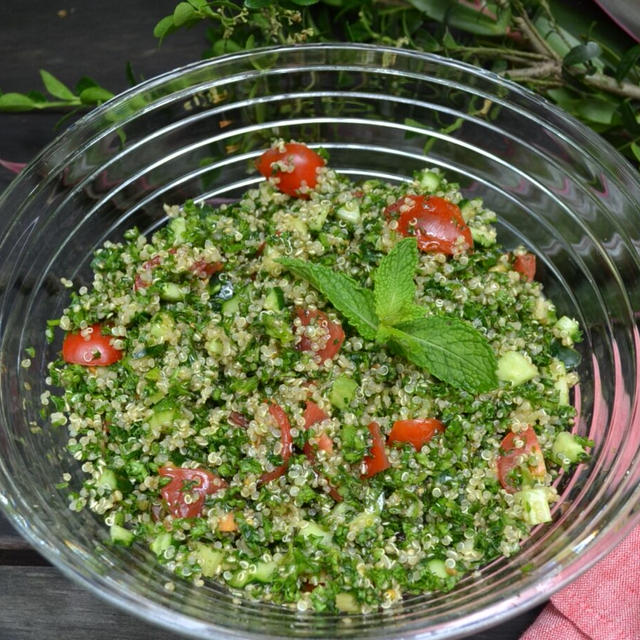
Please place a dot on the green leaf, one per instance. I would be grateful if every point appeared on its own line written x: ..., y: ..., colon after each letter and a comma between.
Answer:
x: 17, y: 102
x: 489, y: 19
x: 131, y: 78
x: 84, y: 83
x: 305, y: 3
x: 628, y: 61
x: 183, y: 13
x: 354, y: 302
x: 56, y: 88
x: 163, y: 27
x: 394, y: 288
x: 199, y: 4
x: 582, y: 53
x: 95, y: 95
x: 452, y: 351
x: 635, y: 149
x: 257, y: 4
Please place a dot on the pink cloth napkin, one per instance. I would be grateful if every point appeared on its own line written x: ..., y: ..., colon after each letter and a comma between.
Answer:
x: 603, y: 604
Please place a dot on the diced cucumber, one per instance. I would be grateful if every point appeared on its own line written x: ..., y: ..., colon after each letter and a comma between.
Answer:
x: 544, y: 311
x: 107, y: 480
x: 346, y: 603
x: 349, y: 211
x: 161, y: 543
x: 164, y: 414
x: 515, y: 368
x: 567, y: 449
x: 311, y: 529
x: 161, y: 329
x: 269, y: 257
x: 568, y: 328
x: 274, y: 300
x: 210, y: 560
x: 438, y: 568
x: 570, y: 357
x: 430, y: 181
x: 535, y: 506
x: 172, y: 292
x: 485, y: 236
x: 277, y: 327
x: 153, y: 374
x: 260, y: 572
x: 317, y: 216
x: 231, y: 307
x: 470, y: 209
x: 214, y: 347
x: 364, y: 520
x: 342, y: 392
x: 178, y: 227
x: 120, y: 535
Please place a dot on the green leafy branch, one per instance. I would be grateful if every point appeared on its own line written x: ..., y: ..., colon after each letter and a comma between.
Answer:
x: 86, y: 93
x: 590, y: 70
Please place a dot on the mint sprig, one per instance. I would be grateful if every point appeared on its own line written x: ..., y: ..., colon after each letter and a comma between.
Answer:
x: 449, y: 348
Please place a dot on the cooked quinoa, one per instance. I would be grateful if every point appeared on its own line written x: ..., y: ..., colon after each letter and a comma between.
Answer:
x: 212, y: 337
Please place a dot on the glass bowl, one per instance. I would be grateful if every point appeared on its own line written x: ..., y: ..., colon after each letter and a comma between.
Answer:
x: 380, y: 112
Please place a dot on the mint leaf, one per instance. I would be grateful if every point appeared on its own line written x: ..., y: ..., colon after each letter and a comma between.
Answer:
x: 354, y: 302
x: 452, y: 350
x: 394, y: 288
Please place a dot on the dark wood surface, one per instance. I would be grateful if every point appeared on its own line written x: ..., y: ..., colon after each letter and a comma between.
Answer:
x: 71, y: 40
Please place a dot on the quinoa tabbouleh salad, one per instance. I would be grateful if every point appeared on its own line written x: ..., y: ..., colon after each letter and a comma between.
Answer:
x: 327, y: 395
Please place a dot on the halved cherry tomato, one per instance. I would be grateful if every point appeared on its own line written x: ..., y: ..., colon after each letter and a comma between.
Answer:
x: 377, y: 459
x: 302, y: 161
x: 526, y: 265
x: 320, y: 319
x: 527, y: 459
x: 204, y: 269
x: 143, y: 279
x: 417, y: 432
x: 197, y: 483
x: 94, y: 351
x: 436, y: 223
x: 287, y: 443
x: 312, y: 415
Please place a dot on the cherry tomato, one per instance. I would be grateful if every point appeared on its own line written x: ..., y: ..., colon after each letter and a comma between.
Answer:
x: 436, y: 223
x: 303, y: 163
x: 526, y: 459
x: 287, y: 443
x: 417, y: 432
x: 312, y: 415
x: 526, y: 265
x: 377, y: 459
x: 94, y: 351
x: 334, y: 329
x: 196, y: 483
x: 204, y: 269
x: 143, y: 279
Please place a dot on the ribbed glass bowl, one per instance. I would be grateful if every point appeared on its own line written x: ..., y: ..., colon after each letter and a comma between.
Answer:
x: 194, y: 133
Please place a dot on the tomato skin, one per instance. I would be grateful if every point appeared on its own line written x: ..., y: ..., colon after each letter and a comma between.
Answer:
x: 512, y: 458
x: 305, y: 163
x: 436, y: 223
x: 526, y: 265
x: 143, y: 279
x: 334, y: 329
x: 204, y: 483
x: 287, y: 443
x: 77, y: 350
x: 203, y: 269
x: 416, y: 432
x: 377, y: 459
x: 312, y: 415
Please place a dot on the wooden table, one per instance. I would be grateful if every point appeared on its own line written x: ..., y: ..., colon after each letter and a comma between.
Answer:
x: 96, y: 39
